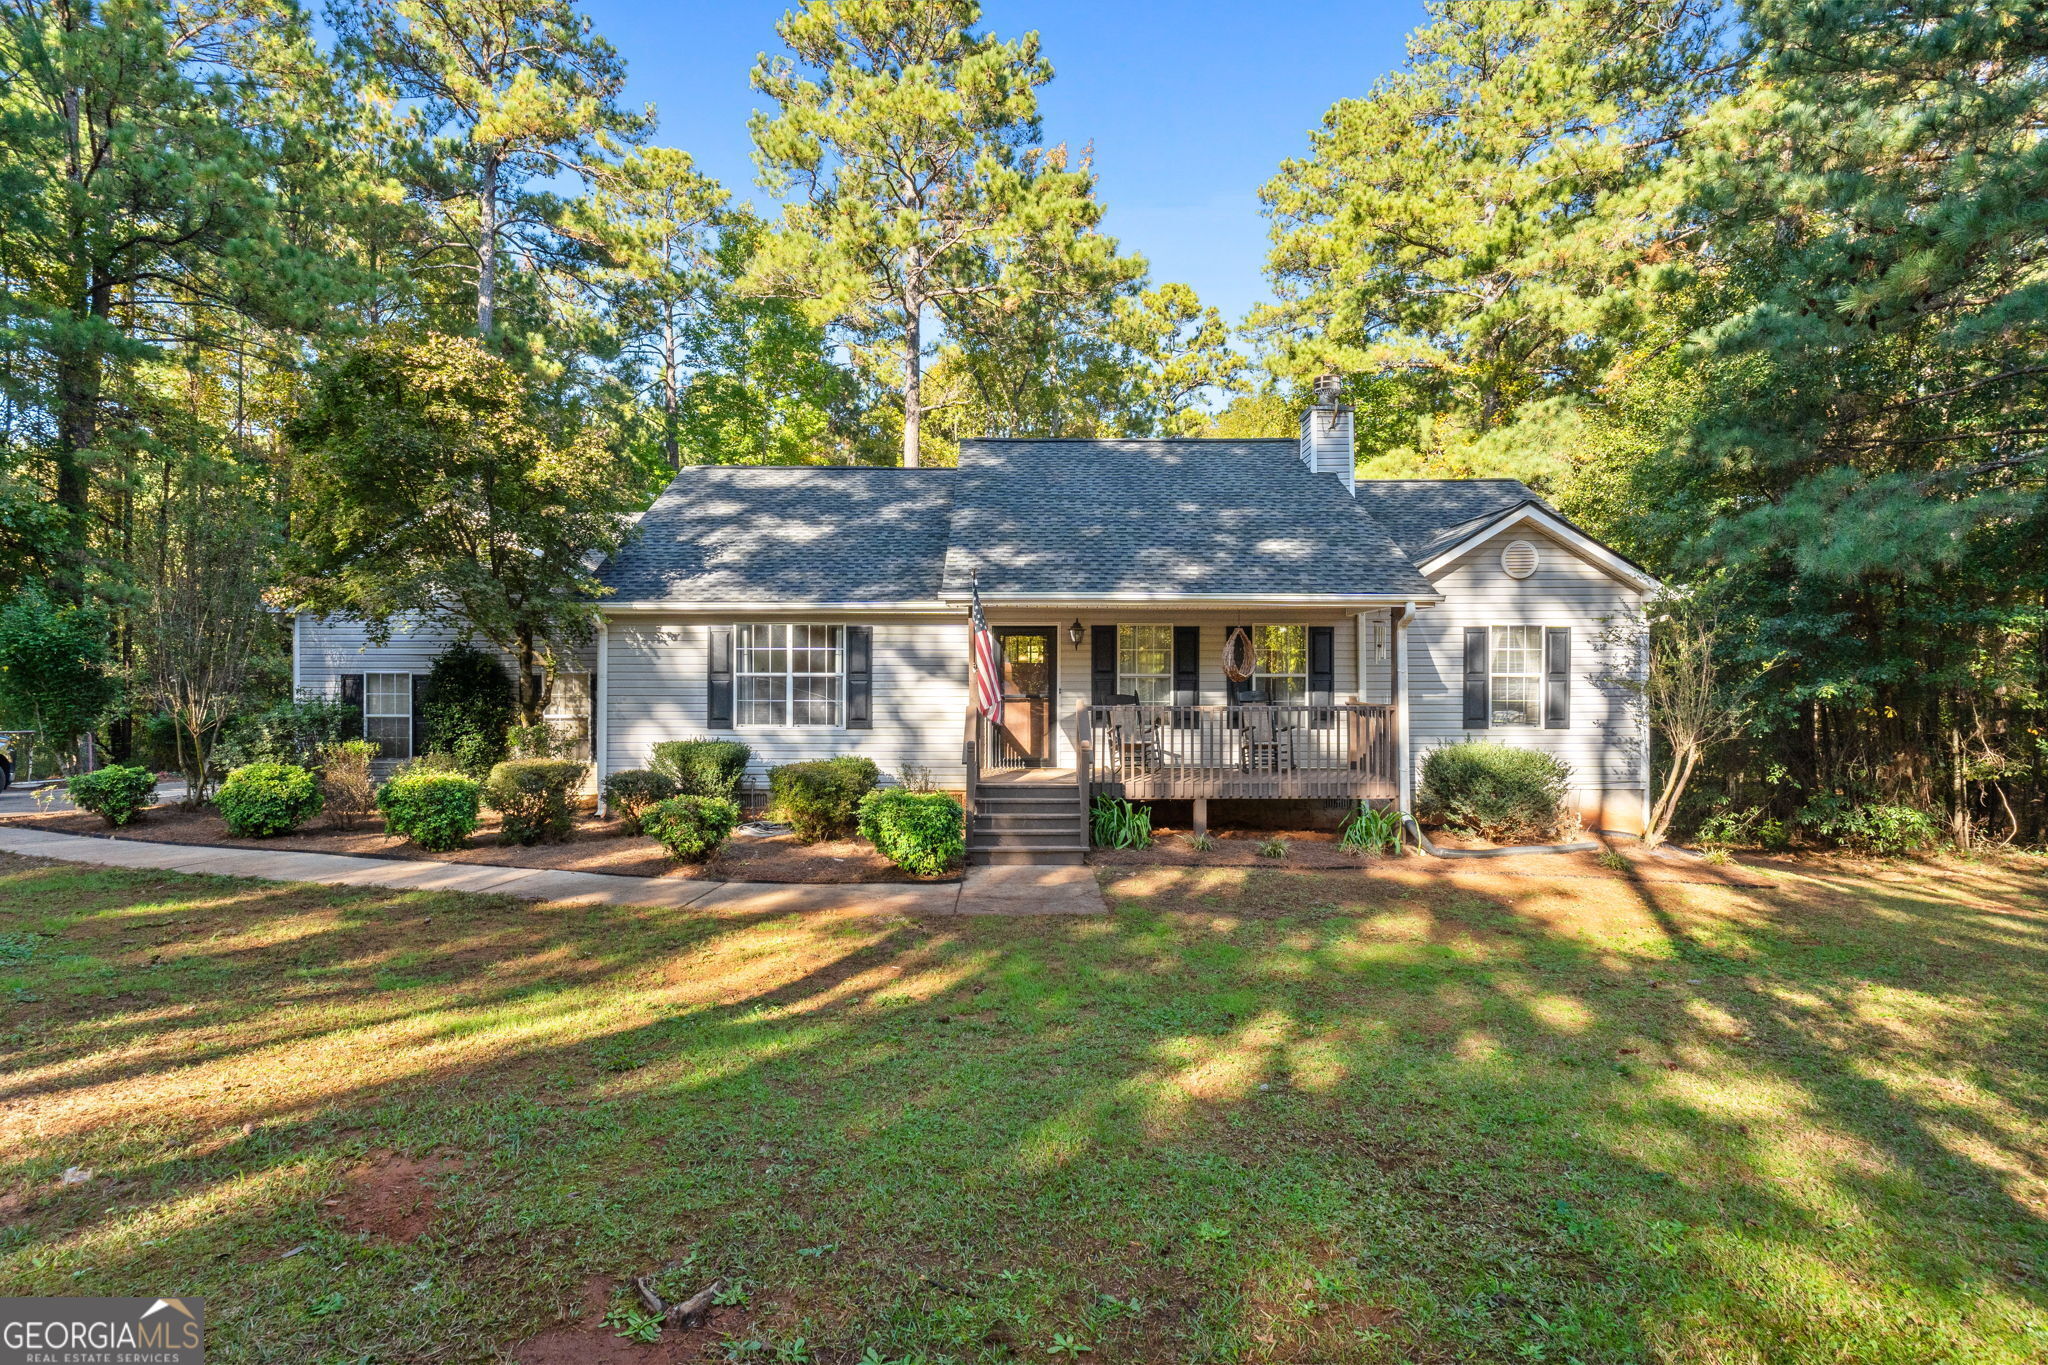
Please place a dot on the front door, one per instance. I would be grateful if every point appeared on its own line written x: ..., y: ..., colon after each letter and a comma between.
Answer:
x: 1028, y: 683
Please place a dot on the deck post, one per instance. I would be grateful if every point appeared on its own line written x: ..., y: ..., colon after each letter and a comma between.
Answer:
x: 1084, y: 761
x: 1201, y: 820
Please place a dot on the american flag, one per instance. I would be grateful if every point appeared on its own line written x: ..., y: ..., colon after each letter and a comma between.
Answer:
x: 988, y: 668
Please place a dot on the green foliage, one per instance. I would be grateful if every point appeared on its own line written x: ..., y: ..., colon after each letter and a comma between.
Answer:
x: 53, y: 676
x: 532, y: 798
x: 287, y: 732
x: 821, y: 799
x: 1372, y: 829
x: 1497, y: 791
x: 1749, y: 827
x: 262, y: 799
x: 690, y: 827
x: 435, y: 809
x: 1116, y: 823
x: 469, y: 705
x: 924, y: 833
x: 1868, y: 826
x: 346, y: 782
x: 630, y: 791
x: 1273, y: 848
x: 703, y: 767
x: 115, y: 793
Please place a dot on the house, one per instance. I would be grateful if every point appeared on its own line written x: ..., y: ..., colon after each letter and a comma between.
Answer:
x: 815, y: 611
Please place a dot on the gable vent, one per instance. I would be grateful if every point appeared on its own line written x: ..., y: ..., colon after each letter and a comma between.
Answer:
x: 1518, y: 557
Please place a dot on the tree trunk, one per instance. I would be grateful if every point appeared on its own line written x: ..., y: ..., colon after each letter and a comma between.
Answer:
x: 670, y: 392
x: 487, y: 249
x: 532, y: 693
x: 913, y: 382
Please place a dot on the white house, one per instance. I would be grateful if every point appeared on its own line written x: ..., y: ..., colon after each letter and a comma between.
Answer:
x: 812, y: 611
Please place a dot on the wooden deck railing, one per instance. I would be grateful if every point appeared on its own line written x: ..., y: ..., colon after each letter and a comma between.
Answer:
x: 1252, y: 751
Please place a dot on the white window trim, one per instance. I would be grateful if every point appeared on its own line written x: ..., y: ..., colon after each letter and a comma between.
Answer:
x: 412, y: 721
x: 1122, y: 677
x: 787, y: 676
x: 1494, y: 673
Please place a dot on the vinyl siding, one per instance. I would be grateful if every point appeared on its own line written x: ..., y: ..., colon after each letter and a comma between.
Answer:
x: 658, y: 670
x: 1605, y: 742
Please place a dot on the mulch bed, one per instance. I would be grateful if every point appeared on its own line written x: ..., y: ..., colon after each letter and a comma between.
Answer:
x: 597, y: 845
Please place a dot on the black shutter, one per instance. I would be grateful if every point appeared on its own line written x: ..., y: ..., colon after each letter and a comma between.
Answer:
x: 1187, y: 665
x: 1322, y: 673
x: 1248, y: 690
x: 419, y: 714
x: 352, y: 695
x: 1557, y: 678
x: 1478, y: 709
x: 860, y: 681
x: 718, y: 683
x: 1102, y: 664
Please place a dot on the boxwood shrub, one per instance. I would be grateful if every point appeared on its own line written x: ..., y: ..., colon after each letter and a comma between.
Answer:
x: 116, y: 793
x: 821, y: 799
x: 691, y: 827
x: 703, y: 767
x: 924, y: 833
x: 630, y: 791
x: 263, y: 799
x: 435, y: 809
x: 1496, y: 791
x: 531, y: 796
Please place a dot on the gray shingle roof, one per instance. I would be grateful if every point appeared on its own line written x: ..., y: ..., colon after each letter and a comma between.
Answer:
x: 1236, y: 518
x: 758, y: 533
x: 1423, y: 515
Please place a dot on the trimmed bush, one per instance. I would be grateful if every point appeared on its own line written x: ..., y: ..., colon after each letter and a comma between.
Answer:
x: 531, y: 795
x: 703, y: 767
x: 346, y: 782
x: 821, y: 799
x: 691, y: 827
x: 924, y: 833
x: 1496, y: 791
x: 115, y: 793
x: 632, y: 790
x: 262, y: 799
x: 436, y: 810
x: 467, y: 708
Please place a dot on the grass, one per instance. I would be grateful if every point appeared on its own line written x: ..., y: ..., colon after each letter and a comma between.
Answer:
x: 1427, y: 1112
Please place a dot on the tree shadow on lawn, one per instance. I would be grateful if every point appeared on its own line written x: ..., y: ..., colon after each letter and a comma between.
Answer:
x: 1420, y: 1114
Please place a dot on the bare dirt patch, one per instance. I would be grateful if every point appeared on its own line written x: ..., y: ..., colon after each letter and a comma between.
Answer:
x: 598, y: 844
x: 588, y: 1341
x: 391, y: 1196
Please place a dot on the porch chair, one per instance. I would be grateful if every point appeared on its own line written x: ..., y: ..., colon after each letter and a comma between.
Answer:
x: 1134, y: 736
x: 1265, y: 745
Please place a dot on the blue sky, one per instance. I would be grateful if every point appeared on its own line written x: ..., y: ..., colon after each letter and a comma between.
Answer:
x: 1190, y: 107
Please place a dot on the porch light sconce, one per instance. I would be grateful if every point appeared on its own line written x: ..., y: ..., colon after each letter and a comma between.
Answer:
x: 1074, y: 633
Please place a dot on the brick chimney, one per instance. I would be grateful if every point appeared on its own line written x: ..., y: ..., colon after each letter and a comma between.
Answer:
x: 1326, y: 443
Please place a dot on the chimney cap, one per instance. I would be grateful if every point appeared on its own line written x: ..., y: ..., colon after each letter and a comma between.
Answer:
x: 1328, y: 385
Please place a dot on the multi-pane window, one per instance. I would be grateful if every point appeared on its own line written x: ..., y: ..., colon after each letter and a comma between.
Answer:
x: 1281, y: 672
x: 1517, y: 681
x: 387, y: 713
x: 568, y: 713
x: 1144, y: 663
x: 787, y: 674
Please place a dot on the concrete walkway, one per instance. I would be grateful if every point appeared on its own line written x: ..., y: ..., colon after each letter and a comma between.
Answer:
x: 985, y: 891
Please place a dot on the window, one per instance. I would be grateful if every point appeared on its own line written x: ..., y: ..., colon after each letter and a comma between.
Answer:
x: 1281, y: 672
x: 387, y: 713
x: 1517, y: 680
x: 568, y: 713
x: 1144, y: 663
x: 787, y: 675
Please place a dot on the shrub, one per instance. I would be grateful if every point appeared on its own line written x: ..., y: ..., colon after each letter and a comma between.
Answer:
x: 1273, y: 848
x: 924, y: 833
x: 288, y: 732
x: 1496, y: 791
x: 1116, y: 823
x: 435, y: 809
x: 821, y: 799
x: 703, y: 767
x: 346, y: 782
x: 631, y: 791
x: 1747, y: 828
x: 1372, y: 829
x: 262, y: 799
x: 532, y: 797
x: 1867, y: 826
x: 468, y: 707
x: 115, y: 793
x: 691, y: 827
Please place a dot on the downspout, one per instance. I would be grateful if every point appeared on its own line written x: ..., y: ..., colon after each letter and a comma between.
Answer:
x: 298, y: 656
x: 600, y: 747
x: 1398, y: 681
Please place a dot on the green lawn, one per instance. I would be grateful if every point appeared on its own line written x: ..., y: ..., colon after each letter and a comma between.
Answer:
x: 1424, y: 1113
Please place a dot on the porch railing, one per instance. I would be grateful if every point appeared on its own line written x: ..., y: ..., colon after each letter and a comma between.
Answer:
x: 1249, y: 751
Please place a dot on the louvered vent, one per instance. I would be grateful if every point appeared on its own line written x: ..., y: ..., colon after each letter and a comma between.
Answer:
x: 1518, y: 557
